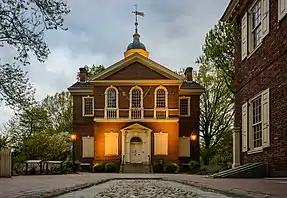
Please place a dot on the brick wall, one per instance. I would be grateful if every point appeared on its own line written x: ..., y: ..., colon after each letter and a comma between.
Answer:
x: 266, y: 68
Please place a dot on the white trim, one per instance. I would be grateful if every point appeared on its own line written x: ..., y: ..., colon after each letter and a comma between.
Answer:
x: 106, y: 101
x: 133, y: 120
x: 83, y: 106
x: 282, y: 9
x: 134, y: 130
x: 142, y: 104
x: 155, y: 101
x: 188, y: 106
x: 145, y: 61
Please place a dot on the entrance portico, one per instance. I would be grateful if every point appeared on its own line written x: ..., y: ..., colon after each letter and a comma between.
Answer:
x: 136, y: 144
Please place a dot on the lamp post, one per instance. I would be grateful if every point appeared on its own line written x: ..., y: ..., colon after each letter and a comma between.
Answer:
x: 74, y: 138
x: 193, y: 138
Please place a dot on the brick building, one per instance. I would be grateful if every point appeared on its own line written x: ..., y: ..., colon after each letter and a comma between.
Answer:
x: 260, y: 82
x: 136, y: 111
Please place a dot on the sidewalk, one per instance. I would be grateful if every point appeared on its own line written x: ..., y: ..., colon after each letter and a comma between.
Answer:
x: 248, y: 187
x: 25, y: 186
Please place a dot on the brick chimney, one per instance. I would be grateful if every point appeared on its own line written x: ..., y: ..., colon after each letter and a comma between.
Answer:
x: 83, y: 75
x: 188, y: 74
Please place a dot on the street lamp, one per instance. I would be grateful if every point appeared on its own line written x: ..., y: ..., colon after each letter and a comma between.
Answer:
x: 193, y: 138
x: 74, y: 138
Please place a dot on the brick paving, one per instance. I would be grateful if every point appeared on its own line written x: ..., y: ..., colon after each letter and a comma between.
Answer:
x: 23, y: 186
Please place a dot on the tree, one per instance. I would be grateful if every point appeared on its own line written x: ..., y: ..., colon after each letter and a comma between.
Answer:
x: 93, y: 70
x: 219, y: 50
x: 22, y: 27
x: 217, y: 109
x: 59, y: 108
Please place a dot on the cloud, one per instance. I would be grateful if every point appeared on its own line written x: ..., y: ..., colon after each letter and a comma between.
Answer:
x: 99, y: 32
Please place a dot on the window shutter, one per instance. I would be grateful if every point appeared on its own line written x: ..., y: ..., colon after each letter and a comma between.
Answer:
x: 265, y: 18
x: 244, y: 126
x: 184, y: 147
x: 111, y: 144
x: 265, y: 118
x: 161, y: 143
x: 244, y: 37
x: 282, y: 9
x: 88, y: 147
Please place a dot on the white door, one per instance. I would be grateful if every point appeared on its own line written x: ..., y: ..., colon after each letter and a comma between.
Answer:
x: 136, y: 152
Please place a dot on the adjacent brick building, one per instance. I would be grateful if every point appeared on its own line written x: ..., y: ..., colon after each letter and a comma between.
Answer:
x: 136, y: 111
x: 260, y: 82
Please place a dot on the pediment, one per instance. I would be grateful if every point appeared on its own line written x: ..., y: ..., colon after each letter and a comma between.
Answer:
x: 136, y: 126
x: 137, y: 67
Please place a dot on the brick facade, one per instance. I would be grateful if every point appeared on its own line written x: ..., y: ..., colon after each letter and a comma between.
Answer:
x: 265, y: 68
x: 181, y: 126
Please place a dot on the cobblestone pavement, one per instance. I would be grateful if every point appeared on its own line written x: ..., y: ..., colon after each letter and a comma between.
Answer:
x: 26, y: 186
x: 142, y: 189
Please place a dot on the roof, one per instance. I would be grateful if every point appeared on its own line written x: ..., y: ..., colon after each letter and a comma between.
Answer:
x: 228, y: 12
x: 136, y: 44
x: 190, y: 85
x: 136, y: 57
x: 81, y: 86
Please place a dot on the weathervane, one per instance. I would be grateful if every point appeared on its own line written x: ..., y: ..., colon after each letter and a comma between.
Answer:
x: 137, y: 13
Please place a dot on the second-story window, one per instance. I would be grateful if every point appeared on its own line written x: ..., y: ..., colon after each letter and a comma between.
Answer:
x: 255, y: 18
x: 184, y: 106
x: 136, y: 103
x: 111, y: 102
x: 88, y: 106
x: 161, y: 105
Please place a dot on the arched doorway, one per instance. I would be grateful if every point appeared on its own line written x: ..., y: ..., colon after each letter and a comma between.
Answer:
x: 136, y: 150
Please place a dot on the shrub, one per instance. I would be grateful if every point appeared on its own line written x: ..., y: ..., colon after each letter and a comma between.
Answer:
x: 110, y: 167
x: 99, y: 167
x: 194, y: 166
x: 158, y: 168
x: 68, y: 165
x: 171, y: 168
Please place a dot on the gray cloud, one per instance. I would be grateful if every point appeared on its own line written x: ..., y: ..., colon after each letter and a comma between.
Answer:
x: 99, y: 32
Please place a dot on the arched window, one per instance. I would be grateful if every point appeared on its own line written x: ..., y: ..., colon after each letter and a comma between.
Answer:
x: 136, y: 103
x: 111, y: 102
x: 161, y: 102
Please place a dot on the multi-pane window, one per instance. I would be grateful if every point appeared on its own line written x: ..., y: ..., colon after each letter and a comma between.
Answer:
x: 256, y: 25
x: 184, y: 104
x: 160, y: 98
x: 111, y: 110
x: 160, y: 106
x: 136, y: 98
x: 257, y: 122
x: 88, y: 106
x: 112, y: 98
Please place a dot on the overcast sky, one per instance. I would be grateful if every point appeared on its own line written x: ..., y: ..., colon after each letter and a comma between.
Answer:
x: 100, y: 30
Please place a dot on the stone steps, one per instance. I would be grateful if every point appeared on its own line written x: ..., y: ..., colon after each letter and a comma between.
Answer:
x: 135, y: 168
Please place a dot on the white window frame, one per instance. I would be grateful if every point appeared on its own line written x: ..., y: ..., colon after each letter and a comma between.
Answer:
x: 141, y: 109
x: 282, y: 9
x: 188, y: 106
x: 247, y: 48
x: 250, y: 133
x: 251, y: 30
x: 156, y: 109
x: 83, y: 106
x: 116, y: 110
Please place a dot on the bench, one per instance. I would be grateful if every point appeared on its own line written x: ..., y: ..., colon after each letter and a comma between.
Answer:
x: 34, y: 165
x: 53, y: 165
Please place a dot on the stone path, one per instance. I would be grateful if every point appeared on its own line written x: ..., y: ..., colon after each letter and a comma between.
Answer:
x: 142, y: 189
x: 26, y: 186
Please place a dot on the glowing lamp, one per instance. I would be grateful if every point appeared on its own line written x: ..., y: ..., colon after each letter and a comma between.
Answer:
x: 73, y: 137
x: 193, y: 137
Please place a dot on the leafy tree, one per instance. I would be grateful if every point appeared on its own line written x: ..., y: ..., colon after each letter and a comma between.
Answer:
x: 216, y: 105
x: 219, y: 50
x: 22, y: 27
x: 46, y: 146
x: 59, y: 109
x: 94, y: 69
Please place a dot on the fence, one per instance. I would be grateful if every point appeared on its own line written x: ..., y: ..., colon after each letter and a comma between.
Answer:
x: 5, y: 163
